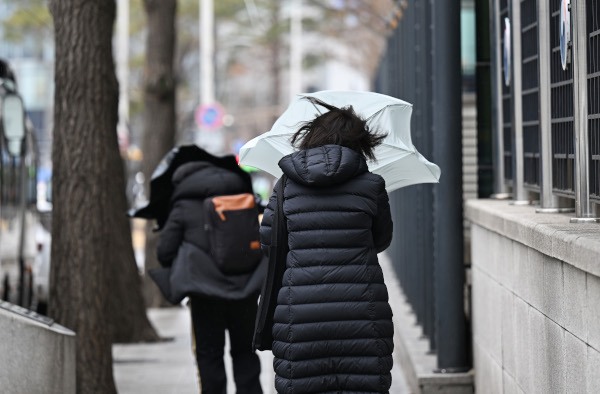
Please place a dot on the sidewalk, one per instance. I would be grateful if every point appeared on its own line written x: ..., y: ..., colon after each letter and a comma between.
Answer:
x: 169, y: 367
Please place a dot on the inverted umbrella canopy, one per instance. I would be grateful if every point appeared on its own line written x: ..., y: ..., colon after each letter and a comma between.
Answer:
x: 161, y: 186
x: 397, y: 160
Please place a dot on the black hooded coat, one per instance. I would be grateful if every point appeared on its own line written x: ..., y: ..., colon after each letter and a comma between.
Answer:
x: 332, y: 328
x: 184, y: 243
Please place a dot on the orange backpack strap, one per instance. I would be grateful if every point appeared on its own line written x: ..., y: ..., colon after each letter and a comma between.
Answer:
x: 232, y: 203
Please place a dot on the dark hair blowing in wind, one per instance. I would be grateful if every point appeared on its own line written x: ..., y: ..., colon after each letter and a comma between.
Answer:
x: 338, y: 126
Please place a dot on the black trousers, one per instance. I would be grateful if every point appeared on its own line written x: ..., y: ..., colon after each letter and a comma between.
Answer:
x: 210, y: 319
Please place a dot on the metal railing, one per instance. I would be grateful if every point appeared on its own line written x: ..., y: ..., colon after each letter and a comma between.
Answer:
x: 593, y: 31
x: 561, y: 115
x: 422, y: 66
x: 506, y: 93
x: 551, y: 111
x: 412, y: 208
x: 530, y: 94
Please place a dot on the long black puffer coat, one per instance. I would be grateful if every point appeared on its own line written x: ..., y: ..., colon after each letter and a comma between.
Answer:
x: 184, y: 243
x: 333, y: 324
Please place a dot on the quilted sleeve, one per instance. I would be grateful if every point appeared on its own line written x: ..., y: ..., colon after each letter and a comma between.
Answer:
x: 267, y: 221
x: 171, y: 237
x: 382, y: 223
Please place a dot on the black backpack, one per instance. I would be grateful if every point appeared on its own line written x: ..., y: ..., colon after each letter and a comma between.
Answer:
x: 231, y: 222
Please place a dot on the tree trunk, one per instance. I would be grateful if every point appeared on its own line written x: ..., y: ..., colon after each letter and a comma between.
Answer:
x: 159, y: 113
x: 85, y: 154
x: 95, y: 286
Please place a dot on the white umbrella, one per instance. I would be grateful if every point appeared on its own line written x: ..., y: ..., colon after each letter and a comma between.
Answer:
x: 397, y: 160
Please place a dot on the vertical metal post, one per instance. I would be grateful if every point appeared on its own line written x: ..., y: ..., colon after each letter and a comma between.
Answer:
x: 548, y: 201
x: 483, y: 80
x: 583, y: 206
x: 449, y: 279
x: 296, y: 49
x: 426, y: 191
x: 500, y: 191
x: 207, y: 45
x: 516, y: 83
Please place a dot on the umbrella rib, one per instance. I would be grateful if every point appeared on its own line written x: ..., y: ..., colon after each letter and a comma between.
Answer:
x: 416, y: 153
x: 378, y: 111
x: 381, y: 109
x: 387, y: 106
x: 397, y: 147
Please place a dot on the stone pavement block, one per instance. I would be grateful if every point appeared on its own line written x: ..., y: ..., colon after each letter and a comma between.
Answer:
x: 576, y: 362
x: 479, y: 252
x: 509, y: 336
x: 547, y: 352
x: 535, y: 279
x: 495, y: 309
x: 588, y: 250
x: 495, y: 254
x: 538, y: 361
x: 520, y: 232
x: 593, y: 310
x: 578, y: 245
x: 564, y: 248
x: 488, y: 373
x: 509, y: 384
x: 593, y: 370
x: 488, y: 314
x: 575, y: 301
x: 488, y: 218
x: 555, y: 355
x: 476, y: 303
x: 505, y: 266
x: 522, y: 332
x: 520, y: 257
x: 542, y: 238
x: 553, y: 290
x: 486, y: 259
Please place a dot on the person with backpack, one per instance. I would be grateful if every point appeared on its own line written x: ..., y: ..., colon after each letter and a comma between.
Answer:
x: 210, y: 240
x: 324, y: 310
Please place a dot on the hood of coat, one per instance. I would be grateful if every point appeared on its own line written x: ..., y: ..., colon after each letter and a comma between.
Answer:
x: 201, y: 179
x: 187, y: 169
x: 323, y: 166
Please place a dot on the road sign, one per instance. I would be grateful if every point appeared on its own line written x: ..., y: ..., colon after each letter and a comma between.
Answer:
x: 210, y: 117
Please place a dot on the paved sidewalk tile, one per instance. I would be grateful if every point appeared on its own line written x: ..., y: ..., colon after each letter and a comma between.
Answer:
x: 169, y: 367
x: 158, y: 368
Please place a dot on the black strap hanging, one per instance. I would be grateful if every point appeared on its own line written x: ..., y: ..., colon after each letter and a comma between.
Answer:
x: 263, y: 335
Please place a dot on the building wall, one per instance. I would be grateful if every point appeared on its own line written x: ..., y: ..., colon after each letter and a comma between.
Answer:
x: 535, y: 300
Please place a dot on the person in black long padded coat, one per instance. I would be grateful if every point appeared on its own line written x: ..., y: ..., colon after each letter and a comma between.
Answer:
x: 219, y: 302
x: 333, y: 324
